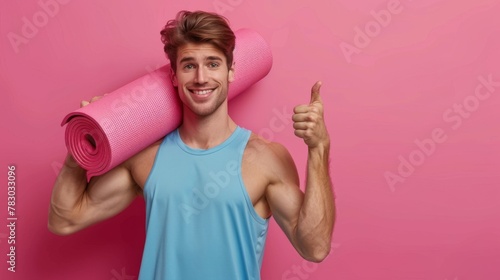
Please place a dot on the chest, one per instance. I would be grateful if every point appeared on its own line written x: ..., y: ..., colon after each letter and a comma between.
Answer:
x: 215, y: 179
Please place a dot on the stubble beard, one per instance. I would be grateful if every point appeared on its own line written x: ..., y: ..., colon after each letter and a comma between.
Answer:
x: 206, y: 112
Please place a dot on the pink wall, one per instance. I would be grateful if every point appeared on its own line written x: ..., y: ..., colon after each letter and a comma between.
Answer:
x: 407, y: 98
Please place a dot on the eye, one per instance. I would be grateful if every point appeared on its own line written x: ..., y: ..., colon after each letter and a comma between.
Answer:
x: 213, y: 65
x: 188, y: 66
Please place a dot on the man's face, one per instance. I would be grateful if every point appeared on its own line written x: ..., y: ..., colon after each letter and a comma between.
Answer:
x: 202, y: 77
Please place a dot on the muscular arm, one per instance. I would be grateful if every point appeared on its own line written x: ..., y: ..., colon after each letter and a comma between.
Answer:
x: 317, y: 215
x: 307, y: 219
x: 75, y: 205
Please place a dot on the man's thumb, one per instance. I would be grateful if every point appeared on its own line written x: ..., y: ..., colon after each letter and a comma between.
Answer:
x: 315, y: 96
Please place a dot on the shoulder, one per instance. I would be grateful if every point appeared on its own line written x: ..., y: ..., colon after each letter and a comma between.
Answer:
x: 262, y: 148
x: 145, y: 154
x: 141, y: 164
x: 273, y: 158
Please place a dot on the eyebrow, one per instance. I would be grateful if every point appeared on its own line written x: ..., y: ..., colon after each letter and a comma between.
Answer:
x: 214, y: 58
x: 187, y: 58
x: 209, y: 58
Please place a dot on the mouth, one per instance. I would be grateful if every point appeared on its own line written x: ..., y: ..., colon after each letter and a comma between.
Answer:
x: 201, y: 91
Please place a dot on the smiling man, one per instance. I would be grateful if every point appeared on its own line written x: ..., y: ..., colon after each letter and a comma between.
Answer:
x: 210, y: 186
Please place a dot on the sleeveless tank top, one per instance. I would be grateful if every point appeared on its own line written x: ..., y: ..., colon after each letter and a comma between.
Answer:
x: 200, y: 221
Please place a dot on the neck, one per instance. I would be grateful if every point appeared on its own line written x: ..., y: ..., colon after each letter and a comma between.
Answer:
x: 204, y: 132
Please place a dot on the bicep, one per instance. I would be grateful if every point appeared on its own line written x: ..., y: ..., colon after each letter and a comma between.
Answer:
x: 283, y: 194
x: 107, y: 195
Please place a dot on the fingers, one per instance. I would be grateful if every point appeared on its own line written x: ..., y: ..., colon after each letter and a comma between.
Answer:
x: 308, y: 120
x: 300, y: 133
x: 306, y: 113
x: 301, y: 109
x: 315, y: 96
x: 306, y: 117
x: 301, y: 125
x: 84, y: 103
x: 305, y: 123
x: 95, y: 98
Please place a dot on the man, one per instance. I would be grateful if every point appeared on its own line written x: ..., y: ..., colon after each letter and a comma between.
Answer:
x: 210, y: 186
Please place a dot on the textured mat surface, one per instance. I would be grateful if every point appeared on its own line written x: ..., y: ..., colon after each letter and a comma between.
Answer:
x: 103, y: 134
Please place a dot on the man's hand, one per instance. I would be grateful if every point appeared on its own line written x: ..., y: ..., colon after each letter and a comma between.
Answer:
x: 308, y: 120
x: 306, y: 218
x: 93, y: 99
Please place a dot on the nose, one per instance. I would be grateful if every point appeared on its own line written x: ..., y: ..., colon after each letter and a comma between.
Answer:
x: 201, y: 76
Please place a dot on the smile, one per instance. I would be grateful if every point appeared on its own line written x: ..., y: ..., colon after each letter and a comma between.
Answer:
x: 201, y: 91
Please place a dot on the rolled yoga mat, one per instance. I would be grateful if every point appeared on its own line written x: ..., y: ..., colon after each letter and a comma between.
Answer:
x: 104, y: 134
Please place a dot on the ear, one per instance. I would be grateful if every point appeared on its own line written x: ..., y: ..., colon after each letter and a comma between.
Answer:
x: 173, y: 77
x: 230, y: 76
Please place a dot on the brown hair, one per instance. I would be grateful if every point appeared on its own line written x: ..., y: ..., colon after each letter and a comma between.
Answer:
x: 197, y: 27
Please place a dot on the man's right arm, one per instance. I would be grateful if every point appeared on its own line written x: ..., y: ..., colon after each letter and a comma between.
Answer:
x: 75, y: 205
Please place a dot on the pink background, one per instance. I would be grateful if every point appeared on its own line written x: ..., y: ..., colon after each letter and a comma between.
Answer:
x: 406, y: 78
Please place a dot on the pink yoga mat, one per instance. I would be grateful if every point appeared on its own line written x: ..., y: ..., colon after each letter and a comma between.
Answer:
x: 105, y: 133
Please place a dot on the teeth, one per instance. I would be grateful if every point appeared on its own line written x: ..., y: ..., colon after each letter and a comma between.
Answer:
x: 202, y: 92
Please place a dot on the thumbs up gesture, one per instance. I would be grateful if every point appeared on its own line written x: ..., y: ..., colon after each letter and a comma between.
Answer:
x: 308, y: 120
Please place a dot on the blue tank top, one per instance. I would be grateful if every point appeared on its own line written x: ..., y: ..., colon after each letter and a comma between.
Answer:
x: 200, y: 221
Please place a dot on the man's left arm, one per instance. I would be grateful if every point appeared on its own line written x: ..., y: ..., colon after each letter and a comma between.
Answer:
x: 307, y: 219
